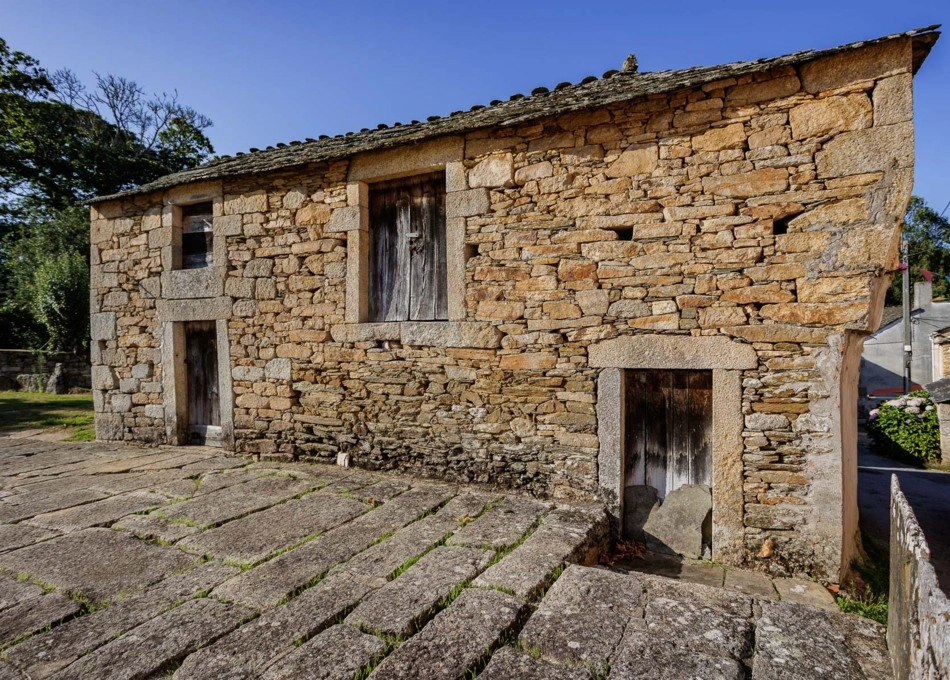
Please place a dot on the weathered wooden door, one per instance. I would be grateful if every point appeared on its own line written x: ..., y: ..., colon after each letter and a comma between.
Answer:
x: 407, y: 275
x: 668, y: 429
x: 201, y: 370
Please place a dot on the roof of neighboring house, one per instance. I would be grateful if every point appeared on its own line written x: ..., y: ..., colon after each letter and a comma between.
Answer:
x: 891, y: 314
x: 613, y: 87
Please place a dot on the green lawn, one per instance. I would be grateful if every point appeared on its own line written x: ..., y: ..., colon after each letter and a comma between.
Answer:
x: 22, y: 410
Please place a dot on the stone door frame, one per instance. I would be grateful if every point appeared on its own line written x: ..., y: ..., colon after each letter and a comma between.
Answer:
x: 726, y: 359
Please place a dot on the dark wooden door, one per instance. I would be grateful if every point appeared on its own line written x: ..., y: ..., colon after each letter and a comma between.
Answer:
x: 668, y: 429
x: 201, y: 369
x: 407, y: 277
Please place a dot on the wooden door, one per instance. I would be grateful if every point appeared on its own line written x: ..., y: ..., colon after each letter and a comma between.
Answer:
x: 407, y: 274
x: 668, y: 429
x: 201, y: 375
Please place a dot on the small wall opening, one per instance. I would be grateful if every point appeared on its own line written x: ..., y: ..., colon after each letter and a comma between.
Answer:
x: 197, y: 239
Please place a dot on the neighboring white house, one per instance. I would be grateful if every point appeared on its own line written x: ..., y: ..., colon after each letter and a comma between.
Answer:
x: 882, y: 372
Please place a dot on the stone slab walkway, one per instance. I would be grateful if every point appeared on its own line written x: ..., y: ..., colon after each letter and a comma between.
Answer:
x: 119, y: 562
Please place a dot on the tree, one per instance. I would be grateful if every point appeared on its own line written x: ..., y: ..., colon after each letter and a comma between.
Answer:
x: 928, y: 244
x: 61, y: 144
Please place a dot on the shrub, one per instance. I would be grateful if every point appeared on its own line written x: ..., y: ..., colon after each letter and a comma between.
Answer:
x: 906, y: 427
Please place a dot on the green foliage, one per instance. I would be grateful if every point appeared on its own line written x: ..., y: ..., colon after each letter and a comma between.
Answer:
x: 61, y: 144
x: 906, y: 427
x: 928, y: 242
x: 870, y: 589
x: 62, y: 299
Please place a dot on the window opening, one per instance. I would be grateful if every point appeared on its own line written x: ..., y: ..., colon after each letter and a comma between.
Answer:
x: 196, y: 236
x: 407, y: 273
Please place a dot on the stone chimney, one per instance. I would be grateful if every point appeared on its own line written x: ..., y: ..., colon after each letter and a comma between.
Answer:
x: 923, y: 295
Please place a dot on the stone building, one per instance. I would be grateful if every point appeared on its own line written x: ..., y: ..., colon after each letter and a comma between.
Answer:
x: 644, y: 279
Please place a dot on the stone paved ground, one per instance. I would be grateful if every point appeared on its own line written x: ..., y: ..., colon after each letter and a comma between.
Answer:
x: 120, y: 562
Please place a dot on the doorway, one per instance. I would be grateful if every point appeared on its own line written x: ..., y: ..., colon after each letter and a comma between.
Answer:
x: 668, y: 431
x: 203, y: 407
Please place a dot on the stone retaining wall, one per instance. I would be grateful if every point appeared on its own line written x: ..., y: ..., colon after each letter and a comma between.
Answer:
x: 763, y: 209
x: 13, y: 362
x: 918, y: 616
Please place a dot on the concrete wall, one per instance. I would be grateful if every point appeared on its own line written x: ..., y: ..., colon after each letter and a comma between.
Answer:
x: 13, y: 362
x: 882, y: 361
x: 918, y: 616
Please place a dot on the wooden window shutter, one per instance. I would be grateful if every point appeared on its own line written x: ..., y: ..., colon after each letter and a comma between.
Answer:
x: 407, y: 274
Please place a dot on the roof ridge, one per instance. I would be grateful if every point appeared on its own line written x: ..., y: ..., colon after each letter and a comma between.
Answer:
x: 613, y: 86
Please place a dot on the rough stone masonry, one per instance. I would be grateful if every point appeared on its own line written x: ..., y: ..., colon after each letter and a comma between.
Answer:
x: 741, y: 219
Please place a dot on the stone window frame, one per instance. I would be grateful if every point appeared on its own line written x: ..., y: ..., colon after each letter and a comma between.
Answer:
x: 203, y: 282
x: 193, y: 295
x: 726, y: 359
x: 446, y: 155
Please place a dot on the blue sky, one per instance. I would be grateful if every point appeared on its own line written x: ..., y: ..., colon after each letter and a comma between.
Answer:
x: 277, y: 71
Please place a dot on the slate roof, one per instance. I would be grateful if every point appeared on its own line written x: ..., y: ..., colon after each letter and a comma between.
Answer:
x: 612, y: 87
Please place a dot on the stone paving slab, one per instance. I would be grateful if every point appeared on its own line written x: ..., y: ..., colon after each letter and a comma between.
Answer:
x: 14, y: 591
x: 583, y: 616
x: 34, y: 615
x: 640, y: 655
x: 98, y: 513
x: 397, y: 607
x: 15, y: 509
x: 338, y: 652
x: 247, y: 651
x: 456, y: 639
x: 395, y: 563
x: 13, y: 536
x: 503, y: 525
x: 148, y: 649
x: 509, y: 664
x: 690, y: 627
x: 44, y: 654
x: 805, y: 592
x: 377, y: 563
x: 76, y: 562
x: 266, y: 585
x: 563, y: 536
x: 239, y: 500
x: 795, y: 642
x: 251, y: 539
x: 155, y: 528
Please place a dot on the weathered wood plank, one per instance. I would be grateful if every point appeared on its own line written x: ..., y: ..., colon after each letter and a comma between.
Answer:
x: 201, y: 366
x: 699, y: 420
x: 407, y: 250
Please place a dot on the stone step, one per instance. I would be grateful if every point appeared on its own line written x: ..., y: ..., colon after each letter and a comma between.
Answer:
x: 583, y: 616
x: 238, y: 500
x: 265, y: 585
x: 74, y: 563
x: 247, y: 651
x: 46, y: 653
x: 158, y: 643
x: 396, y: 608
x: 338, y: 652
x: 254, y: 538
x: 562, y: 537
x: 33, y: 615
x: 505, y: 523
x: 456, y: 639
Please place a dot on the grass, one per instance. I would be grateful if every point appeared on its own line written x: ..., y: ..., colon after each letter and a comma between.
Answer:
x: 869, y: 596
x: 24, y: 410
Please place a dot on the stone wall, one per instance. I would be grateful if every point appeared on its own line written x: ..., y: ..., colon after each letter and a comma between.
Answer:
x: 918, y: 615
x: 14, y: 362
x: 763, y: 209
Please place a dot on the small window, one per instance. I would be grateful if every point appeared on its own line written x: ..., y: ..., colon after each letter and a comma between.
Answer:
x: 407, y: 275
x: 196, y: 236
